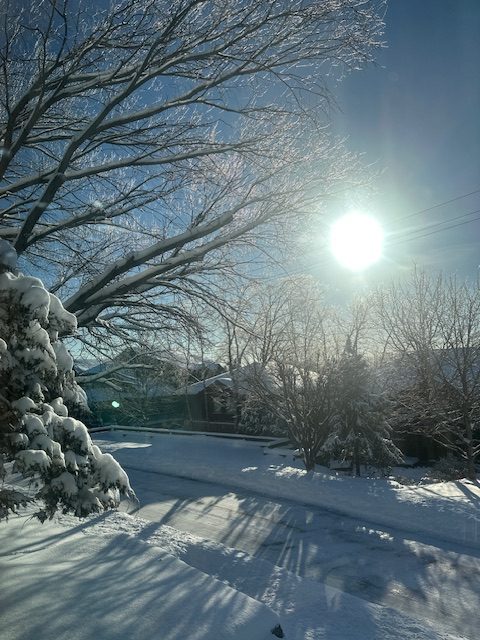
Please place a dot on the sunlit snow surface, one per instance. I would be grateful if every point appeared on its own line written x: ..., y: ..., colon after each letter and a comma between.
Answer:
x: 449, y: 511
x: 58, y: 583
x: 110, y: 575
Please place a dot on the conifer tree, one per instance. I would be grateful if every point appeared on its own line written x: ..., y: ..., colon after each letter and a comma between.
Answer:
x: 361, y: 433
x: 67, y: 471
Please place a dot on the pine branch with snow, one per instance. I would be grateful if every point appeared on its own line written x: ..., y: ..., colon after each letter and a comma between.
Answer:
x: 36, y: 433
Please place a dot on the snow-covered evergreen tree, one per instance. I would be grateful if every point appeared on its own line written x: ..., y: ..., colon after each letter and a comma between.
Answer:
x: 68, y: 472
x: 361, y: 433
x: 258, y: 418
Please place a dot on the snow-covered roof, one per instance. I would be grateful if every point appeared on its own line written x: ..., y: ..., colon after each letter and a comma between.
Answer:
x: 102, y: 391
x: 84, y: 365
x: 122, y: 383
x: 401, y: 371
x: 244, y: 378
x: 91, y: 370
x: 224, y: 379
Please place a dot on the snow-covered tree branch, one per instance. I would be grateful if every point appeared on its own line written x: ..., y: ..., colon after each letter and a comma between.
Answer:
x: 67, y: 471
x: 144, y: 139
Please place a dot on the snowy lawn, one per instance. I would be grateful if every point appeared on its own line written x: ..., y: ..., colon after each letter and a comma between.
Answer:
x: 307, y: 610
x: 118, y: 577
x: 115, y: 577
x: 59, y: 584
x: 448, y: 511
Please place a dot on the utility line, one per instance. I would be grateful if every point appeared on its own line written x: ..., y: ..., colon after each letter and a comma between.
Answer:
x: 406, y: 236
x: 443, y: 228
x: 439, y: 225
x: 436, y: 206
x: 324, y: 262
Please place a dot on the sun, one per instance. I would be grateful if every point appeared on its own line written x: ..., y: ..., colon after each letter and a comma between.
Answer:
x: 356, y: 241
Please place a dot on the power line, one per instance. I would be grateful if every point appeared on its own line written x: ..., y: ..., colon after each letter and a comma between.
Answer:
x: 406, y: 236
x: 443, y: 228
x: 437, y: 206
x: 418, y: 235
x: 438, y: 225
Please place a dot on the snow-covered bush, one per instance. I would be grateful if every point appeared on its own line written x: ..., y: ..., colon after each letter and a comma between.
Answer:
x: 36, y: 433
x: 449, y: 468
x: 258, y: 418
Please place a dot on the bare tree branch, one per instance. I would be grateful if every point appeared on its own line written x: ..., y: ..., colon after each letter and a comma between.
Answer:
x: 143, y: 140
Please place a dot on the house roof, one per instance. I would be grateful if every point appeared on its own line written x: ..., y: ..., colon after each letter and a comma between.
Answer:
x: 124, y: 383
x: 223, y: 379
x: 401, y: 371
x: 243, y: 378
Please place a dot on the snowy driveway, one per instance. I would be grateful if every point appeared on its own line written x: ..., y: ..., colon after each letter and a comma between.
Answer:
x: 375, y: 563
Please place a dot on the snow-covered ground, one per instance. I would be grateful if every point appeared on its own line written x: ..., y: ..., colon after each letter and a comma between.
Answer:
x: 57, y: 583
x: 110, y: 578
x: 448, y: 511
x: 136, y: 578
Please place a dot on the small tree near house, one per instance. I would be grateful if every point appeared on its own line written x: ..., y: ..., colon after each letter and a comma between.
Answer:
x: 67, y: 471
x: 290, y: 342
x: 309, y: 410
x: 258, y: 418
x: 302, y: 372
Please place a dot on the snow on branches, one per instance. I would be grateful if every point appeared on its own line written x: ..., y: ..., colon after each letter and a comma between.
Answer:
x: 54, y: 450
x: 361, y: 433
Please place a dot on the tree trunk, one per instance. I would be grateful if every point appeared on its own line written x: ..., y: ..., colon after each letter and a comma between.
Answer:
x: 309, y: 459
x: 471, y: 470
x: 356, y: 457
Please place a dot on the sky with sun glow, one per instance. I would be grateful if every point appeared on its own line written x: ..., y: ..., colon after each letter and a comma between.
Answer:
x: 415, y: 116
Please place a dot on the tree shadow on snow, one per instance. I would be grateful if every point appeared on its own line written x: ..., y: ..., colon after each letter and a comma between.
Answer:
x: 375, y: 563
x: 122, y: 590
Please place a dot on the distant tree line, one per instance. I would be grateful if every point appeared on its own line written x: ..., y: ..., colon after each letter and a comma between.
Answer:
x: 405, y: 361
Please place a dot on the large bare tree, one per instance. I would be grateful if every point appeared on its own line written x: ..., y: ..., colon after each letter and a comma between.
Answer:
x: 143, y: 139
x: 290, y: 339
x: 433, y: 323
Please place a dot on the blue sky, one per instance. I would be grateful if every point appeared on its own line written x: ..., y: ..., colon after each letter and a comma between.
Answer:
x: 416, y: 116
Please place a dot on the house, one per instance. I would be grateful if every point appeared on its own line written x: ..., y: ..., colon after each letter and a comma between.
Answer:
x: 134, y: 393
x: 214, y: 404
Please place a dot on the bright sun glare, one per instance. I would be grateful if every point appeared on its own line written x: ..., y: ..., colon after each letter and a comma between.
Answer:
x: 356, y: 241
